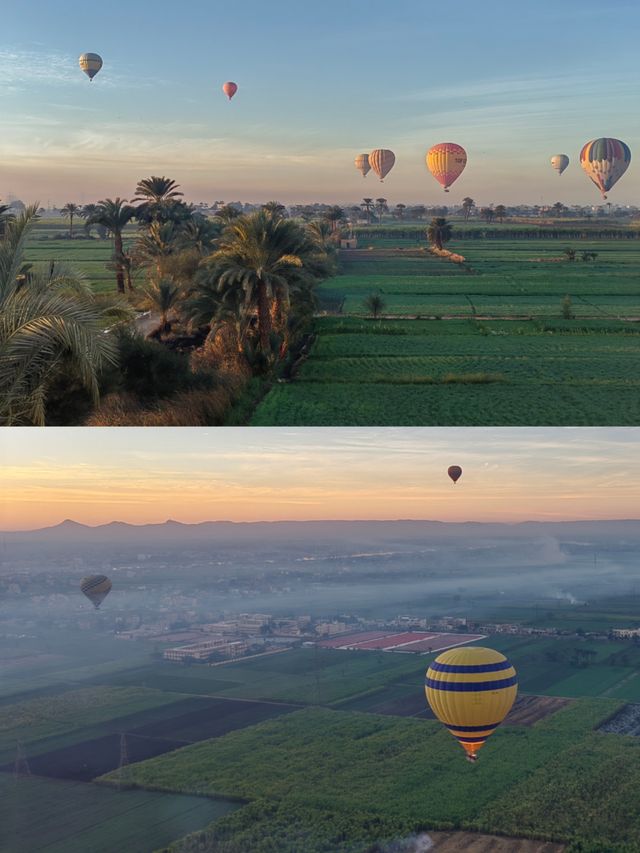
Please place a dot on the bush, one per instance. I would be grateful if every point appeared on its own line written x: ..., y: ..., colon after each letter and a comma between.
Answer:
x: 149, y: 371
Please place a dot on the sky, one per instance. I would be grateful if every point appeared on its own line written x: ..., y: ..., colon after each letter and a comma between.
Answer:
x: 149, y: 475
x: 512, y: 82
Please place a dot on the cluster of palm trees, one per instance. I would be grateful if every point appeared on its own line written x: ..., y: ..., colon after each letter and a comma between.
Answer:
x: 251, y: 275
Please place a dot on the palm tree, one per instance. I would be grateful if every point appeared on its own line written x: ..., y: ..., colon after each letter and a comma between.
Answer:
x: 381, y: 207
x: 162, y: 297
x: 487, y: 213
x: 368, y: 206
x: 501, y: 212
x: 558, y: 208
x: 322, y: 232
x: 264, y: 256
x: 334, y: 215
x: 467, y: 206
x: 400, y: 209
x: 154, y: 245
x: 160, y: 201
x: 375, y: 305
x: 439, y: 231
x: 199, y: 234
x: 156, y: 190
x: 227, y: 213
x: 69, y: 211
x: 274, y: 208
x: 115, y: 214
x: 5, y: 218
x: 48, y: 321
x: 87, y: 212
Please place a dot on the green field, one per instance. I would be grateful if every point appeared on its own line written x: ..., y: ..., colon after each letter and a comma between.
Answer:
x: 483, y: 344
x: 75, y: 817
x: 559, y: 780
x: 89, y: 256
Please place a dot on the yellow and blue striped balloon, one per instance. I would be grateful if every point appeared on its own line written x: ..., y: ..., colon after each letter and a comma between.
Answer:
x: 471, y: 690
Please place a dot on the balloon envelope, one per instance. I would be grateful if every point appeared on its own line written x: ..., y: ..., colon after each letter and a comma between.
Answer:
x: 471, y: 690
x: 362, y: 164
x: 381, y: 161
x: 605, y: 161
x: 96, y: 588
x: 229, y: 88
x: 446, y: 162
x: 90, y: 63
x: 455, y: 472
x: 559, y: 162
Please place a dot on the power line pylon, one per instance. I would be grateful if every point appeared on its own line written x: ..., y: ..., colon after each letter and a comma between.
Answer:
x: 124, y: 772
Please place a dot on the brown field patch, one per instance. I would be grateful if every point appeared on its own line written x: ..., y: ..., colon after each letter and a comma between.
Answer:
x: 472, y: 842
x: 528, y: 710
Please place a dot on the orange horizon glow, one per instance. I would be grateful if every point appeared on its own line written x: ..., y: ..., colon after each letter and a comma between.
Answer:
x: 95, y: 476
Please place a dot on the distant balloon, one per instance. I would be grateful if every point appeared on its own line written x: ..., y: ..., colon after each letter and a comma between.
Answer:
x: 90, y: 63
x: 96, y: 588
x: 471, y: 690
x: 559, y: 162
x: 362, y: 164
x: 446, y: 162
x: 381, y: 161
x: 605, y: 161
x: 230, y: 88
x: 455, y: 472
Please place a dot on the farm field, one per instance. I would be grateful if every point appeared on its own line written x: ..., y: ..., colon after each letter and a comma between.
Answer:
x: 148, y: 735
x: 412, y: 641
x: 483, y: 344
x: 74, y: 817
x: 89, y: 256
x: 557, y: 780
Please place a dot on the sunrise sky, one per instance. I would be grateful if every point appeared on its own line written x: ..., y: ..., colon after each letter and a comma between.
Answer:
x: 149, y: 475
x: 512, y: 82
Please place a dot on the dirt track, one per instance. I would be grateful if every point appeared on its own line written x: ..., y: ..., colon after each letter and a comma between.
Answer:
x: 471, y: 842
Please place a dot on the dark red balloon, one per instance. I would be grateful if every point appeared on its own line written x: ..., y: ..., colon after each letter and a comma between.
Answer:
x: 230, y: 88
x: 455, y: 472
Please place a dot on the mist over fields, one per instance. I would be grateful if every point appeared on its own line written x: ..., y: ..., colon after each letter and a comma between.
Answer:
x: 324, y: 567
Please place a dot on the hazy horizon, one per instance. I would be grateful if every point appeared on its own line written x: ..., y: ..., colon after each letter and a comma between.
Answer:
x: 509, y: 474
x: 334, y: 83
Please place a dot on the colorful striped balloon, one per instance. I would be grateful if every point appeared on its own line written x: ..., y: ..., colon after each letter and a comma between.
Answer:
x: 446, y: 162
x: 96, y: 588
x: 471, y: 690
x: 381, y: 161
x: 605, y: 161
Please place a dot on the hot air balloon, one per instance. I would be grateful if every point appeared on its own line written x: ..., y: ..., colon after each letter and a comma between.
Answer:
x: 446, y: 162
x: 455, y: 472
x: 471, y: 690
x: 381, y: 161
x: 362, y: 164
x: 96, y: 588
x: 605, y: 161
x: 90, y: 63
x: 230, y: 88
x: 559, y: 162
